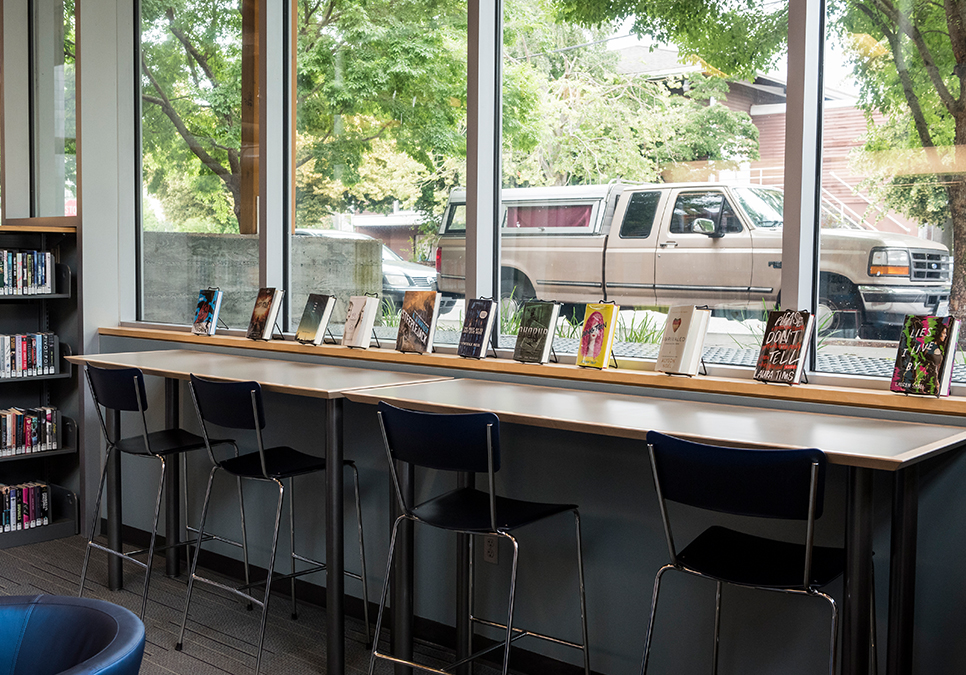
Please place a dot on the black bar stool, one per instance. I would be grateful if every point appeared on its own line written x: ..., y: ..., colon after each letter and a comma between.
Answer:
x: 238, y: 405
x: 466, y: 443
x: 759, y: 483
x: 122, y: 390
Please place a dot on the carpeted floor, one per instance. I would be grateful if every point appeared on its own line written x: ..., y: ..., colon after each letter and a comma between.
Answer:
x: 221, y: 633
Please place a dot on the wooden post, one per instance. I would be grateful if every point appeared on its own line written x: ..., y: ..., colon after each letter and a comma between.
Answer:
x: 248, y: 218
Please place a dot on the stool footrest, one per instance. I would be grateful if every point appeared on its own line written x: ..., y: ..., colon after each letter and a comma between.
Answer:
x: 520, y: 632
x: 237, y: 590
x: 119, y: 554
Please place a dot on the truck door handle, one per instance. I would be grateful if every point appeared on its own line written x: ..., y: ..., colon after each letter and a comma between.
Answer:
x: 669, y: 244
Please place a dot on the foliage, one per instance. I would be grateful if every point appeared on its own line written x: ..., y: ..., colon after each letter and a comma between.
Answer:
x: 571, y: 118
x: 736, y: 38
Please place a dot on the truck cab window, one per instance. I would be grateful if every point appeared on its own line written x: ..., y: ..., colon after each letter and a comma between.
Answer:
x: 709, y: 205
x: 639, y: 218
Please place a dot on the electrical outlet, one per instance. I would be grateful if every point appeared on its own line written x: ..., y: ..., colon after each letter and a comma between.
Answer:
x: 491, y: 550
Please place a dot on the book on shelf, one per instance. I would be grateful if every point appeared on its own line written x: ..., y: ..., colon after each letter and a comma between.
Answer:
x: 24, y: 506
x: 315, y: 318
x: 477, y: 328
x: 927, y: 350
x: 28, y: 355
x: 682, y: 343
x: 267, y: 304
x: 26, y: 272
x: 538, y: 323
x: 783, y: 347
x: 597, y: 335
x: 207, y: 311
x: 359, y: 320
x: 31, y: 430
x: 417, y: 322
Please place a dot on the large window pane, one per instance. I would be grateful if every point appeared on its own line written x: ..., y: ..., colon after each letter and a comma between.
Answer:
x: 53, y: 109
x: 380, y: 141
x: 890, y: 181
x: 196, y: 230
x: 637, y: 172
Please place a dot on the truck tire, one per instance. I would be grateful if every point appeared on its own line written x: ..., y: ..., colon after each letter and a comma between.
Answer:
x: 839, y: 307
x: 515, y: 289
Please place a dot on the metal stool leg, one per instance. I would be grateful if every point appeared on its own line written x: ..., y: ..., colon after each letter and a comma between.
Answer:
x: 194, y: 561
x: 382, y: 596
x: 268, y: 581
x: 362, y: 558
x: 583, y: 596
x: 291, y: 530
x: 509, y: 613
x: 151, y: 542
x: 650, y: 621
x: 241, y: 512
x: 717, y: 628
x: 94, y: 522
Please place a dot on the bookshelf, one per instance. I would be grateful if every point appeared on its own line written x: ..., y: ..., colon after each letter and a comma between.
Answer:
x: 55, y: 312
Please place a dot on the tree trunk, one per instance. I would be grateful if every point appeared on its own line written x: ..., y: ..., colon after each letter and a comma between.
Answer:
x: 957, y: 208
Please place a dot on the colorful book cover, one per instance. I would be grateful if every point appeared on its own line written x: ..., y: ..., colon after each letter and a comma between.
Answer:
x: 927, y: 349
x: 538, y: 322
x: 206, y: 313
x: 315, y: 317
x: 263, y: 315
x: 477, y: 328
x: 359, y: 320
x: 782, y: 355
x: 417, y: 322
x: 682, y: 343
x: 597, y: 335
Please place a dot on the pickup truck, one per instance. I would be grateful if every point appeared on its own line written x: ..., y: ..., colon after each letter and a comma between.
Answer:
x: 694, y: 243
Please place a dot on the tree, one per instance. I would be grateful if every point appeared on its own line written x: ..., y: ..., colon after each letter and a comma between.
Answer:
x: 571, y: 117
x: 369, y: 70
x: 909, y: 59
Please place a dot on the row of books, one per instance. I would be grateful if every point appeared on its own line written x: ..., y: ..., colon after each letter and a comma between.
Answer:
x: 24, y: 506
x: 28, y: 355
x: 924, y: 362
x: 26, y: 272
x: 25, y: 431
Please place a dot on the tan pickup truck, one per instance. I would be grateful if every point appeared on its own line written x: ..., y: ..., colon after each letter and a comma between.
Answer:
x: 694, y: 243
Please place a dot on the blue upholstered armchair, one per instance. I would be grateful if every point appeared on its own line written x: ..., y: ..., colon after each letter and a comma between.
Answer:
x: 48, y: 634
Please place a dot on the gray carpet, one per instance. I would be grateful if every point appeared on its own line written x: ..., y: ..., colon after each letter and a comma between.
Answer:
x: 221, y: 633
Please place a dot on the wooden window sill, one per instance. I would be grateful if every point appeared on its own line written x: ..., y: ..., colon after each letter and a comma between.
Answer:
x: 562, y: 372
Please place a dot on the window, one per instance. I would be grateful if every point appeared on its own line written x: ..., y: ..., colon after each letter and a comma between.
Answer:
x: 639, y: 217
x: 197, y: 229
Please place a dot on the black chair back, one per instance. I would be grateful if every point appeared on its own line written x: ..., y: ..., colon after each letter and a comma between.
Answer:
x: 118, y: 388
x: 437, y: 441
x: 764, y: 483
x: 233, y: 405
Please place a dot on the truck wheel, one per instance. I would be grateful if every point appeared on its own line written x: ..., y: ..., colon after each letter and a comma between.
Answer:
x: 573, y: 313
x: 839, y: 307
x: 515, y: 289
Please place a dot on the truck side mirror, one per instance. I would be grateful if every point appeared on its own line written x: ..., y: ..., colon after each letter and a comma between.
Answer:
x: 705, y: 226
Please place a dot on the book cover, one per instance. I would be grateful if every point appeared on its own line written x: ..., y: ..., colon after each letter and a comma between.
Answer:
x: 267, y: 304
x: 538, y: 322
x: 924, y: 361
x: 359, y: 320
x: 315, y: 317
x: 417, y: 322
x: 206, y: 313
x: 782, y: 355
x: 597, y: 335
x: 682, y: 343
x: 477, y: 327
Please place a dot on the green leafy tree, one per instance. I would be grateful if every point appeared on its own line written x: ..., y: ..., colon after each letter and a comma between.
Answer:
x: 571, y: 117
x: 909, y: 59
x: 369, y: 70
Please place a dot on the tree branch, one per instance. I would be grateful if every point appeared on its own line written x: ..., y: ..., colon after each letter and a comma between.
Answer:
x: 190, y: 49
x: 193, y: 144
x: 910, y: 30
x: 902, y: 68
